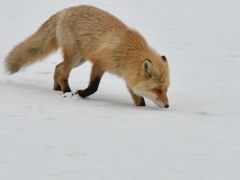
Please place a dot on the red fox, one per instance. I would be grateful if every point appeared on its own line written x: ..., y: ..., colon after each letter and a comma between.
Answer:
x: 88, y: 33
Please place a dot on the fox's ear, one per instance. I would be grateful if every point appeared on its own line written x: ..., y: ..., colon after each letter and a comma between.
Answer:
x: 164, y: 58
x: 147, y: 68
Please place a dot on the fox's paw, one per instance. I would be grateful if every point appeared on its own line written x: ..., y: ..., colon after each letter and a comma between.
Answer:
x: 57, y: 87
x: 82, y: 93
x: 68, y: 94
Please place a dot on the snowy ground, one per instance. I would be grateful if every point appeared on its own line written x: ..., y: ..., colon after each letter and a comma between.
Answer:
x: 46, y: 136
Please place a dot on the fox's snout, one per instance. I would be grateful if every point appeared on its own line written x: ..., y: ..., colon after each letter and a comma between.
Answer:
x: 161, y: 99
x: 160, y: 103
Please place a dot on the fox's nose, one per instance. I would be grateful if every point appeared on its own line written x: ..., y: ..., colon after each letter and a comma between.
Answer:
x: 166, y: 106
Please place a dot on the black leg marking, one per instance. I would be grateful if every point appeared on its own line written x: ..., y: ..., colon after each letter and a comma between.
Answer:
x: 142, y: 102
x: 58, y: 88
x: 66, y: 87
x: 92, y: 88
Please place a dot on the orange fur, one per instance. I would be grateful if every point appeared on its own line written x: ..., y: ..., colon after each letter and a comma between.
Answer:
x: 88, y: 33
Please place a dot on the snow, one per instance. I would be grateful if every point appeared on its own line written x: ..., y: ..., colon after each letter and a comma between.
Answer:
x: 47, y: 136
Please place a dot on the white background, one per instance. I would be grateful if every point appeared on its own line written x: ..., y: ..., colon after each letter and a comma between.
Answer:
x: 46, y: 136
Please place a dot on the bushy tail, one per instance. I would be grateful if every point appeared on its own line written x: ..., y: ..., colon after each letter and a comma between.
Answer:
x: 35, y: 48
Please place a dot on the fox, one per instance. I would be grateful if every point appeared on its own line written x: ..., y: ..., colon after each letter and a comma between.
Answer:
x: 87, y: 33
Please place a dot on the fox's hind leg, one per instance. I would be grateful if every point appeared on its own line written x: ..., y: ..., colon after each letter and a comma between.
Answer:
x: 96, y: 76
x: 58, y: 70
x: 63, y: 76
x: 138, y: 100
x: 62, y: 72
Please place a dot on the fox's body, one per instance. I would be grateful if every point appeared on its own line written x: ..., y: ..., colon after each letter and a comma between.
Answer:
x: 88, y: 33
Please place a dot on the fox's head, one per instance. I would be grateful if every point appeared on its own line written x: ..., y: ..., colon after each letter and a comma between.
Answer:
x: 154, y: 81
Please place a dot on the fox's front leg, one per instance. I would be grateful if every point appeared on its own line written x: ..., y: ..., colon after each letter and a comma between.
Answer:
x: 96, y: 76
x: 138, y: 100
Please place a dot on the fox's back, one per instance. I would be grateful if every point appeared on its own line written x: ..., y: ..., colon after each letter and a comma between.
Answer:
x: 86, y: 25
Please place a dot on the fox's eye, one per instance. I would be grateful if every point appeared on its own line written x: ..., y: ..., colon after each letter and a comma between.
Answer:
x: 159, y: 91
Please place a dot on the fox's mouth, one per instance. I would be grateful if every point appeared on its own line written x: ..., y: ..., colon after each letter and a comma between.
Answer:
x: 159, y: 103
